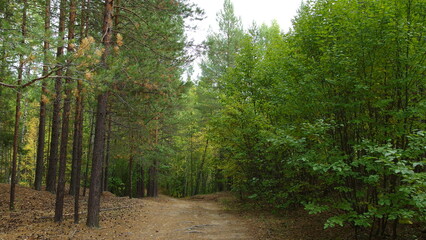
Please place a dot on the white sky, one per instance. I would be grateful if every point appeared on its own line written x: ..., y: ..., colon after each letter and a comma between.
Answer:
x: 259, y: 11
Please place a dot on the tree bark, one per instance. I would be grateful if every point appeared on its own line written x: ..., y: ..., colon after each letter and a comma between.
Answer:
x: 78, y: 150
x: 140, y: 184
x: 131, y: 173
x: 152, y: 190
x: 77, y: 153
x: 77, y: 141
x: 150, y: 185
x: 98, y: 148
x: 78, y: 118
x: 60, y: 192
x: 18, y: 111
x: 42, y: 123
x: 56, y: 119
x: 108, y: 142
x: 200, y: 171
x: 96, y: 176
x: 89, y: 152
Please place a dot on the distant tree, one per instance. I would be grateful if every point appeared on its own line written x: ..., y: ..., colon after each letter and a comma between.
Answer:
x: 221, y: 46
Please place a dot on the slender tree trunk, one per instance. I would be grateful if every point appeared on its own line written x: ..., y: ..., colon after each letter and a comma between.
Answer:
x: 131, y: 173
x: 59, y: 206
x: 96, y: 176
x: 78, y: 117
x: 191, y: 167
x: 89, y: 152
x: 77, y: 139
x: 155, y: 179
x: 56, y: 119
x: 200, y: 171
x: 98, y: 148
x: 104, y: 160
x: 77, y: 152
x: 151, y: 176
x: 140, y: 185
x: 42, y: 122
x: 18, y: 111
x: 108, y: 142
x: 152, y: 190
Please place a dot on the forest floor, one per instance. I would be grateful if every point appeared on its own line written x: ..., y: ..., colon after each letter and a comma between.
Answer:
x: 200, y: 217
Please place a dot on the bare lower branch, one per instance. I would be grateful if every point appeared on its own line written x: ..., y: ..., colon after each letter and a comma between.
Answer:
x: 32, y: 81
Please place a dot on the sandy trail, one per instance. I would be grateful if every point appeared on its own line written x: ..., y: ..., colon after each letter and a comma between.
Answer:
x: 123, y: 218
x: 169, y: 218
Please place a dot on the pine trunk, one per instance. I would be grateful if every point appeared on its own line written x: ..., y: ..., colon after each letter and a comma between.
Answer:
x: 56, y: 119
x: 42, y: 122
x: 77, y: 153
x: 18, y: 112
x: 200, y: 171
x: 108, y: 142
x: 98, y: 148
x: 96, y: 176
x: 89, y: 153
x: 152, y: 190
x: 131, y: 174
x: 140, y: 184
x: 59, y: 206
x: 77, y: 150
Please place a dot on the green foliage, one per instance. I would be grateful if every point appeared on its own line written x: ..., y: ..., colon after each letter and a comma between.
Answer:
x: 330, y: 115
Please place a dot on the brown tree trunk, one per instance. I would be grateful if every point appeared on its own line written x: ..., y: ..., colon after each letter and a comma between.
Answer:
x: 98, y: 148
x: 77, y: 140
x: 77, y: 152
x: 18, y: 112
x: 150, y: 184
x: 140, y: 184
x: 42, y: 122
x: 56, y: 119
x: 96, y: 176
x: 152, y: 189
x: 60, y: 191
x: 200, y: 171
x: 89, y: 152
x: 130, y: 189
x: 78, y: 119
x: 108, y: 142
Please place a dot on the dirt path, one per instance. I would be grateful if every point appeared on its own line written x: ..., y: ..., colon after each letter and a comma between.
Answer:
x: 163, y: 218
x: 168, y: 218
x: 122, y: 218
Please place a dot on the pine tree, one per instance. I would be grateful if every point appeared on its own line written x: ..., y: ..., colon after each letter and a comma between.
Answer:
x: 98, y: 148
x: 18, y: 110
x: 42, y: 118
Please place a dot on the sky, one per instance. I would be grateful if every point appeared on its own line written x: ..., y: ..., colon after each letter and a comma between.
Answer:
x: 259, y: 11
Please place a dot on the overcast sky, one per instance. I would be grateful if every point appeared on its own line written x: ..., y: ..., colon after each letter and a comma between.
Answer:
x: 259, y: 11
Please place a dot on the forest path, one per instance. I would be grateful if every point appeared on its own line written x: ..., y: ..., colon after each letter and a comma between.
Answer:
x: 162, y: 218
x: 170, y: 218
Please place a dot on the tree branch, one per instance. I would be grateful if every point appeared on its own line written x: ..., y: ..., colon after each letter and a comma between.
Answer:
x: 32, y: 81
